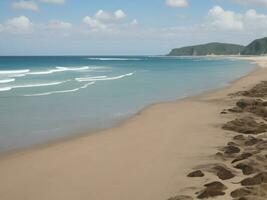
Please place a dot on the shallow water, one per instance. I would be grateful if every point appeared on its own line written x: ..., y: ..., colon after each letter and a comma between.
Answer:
x: 46, y: 98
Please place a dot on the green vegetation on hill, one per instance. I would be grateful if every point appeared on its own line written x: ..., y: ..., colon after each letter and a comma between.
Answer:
x: 208, y: 49
x: 257, y: 47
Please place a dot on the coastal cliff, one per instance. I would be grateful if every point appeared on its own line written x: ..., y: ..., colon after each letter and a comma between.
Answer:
x: 208, y: 49
x: 257, y: 47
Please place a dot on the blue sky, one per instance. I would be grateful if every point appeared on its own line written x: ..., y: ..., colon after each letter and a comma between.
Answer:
x: 125, y: 27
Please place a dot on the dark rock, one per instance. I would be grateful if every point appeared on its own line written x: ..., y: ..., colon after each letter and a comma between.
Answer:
x: 243, y: 156
x: 230, y: 149
x: 252, y: 141
x: 197, y: 173
x: 243, y: 103
x: 223, y: 173
x: 259, y: 110
x: 216, y: 185
x: 260, y: 90
x: 235, y: 110
x: 262, y: 145
x: 210, y: 193
x: 246, y: 169
x: 232, y: 144
x: 240, y: 192
x: 239, y: 137
x: 261, y: 158
x: 255, y: 180
x: 246, y: 125
x: 212, y: 190
x: 246, y: 103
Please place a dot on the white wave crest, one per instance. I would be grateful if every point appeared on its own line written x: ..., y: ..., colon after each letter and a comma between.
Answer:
x: 31, y: 85
x: 7, y: 80
x: 114, y: 59
x: 38, y: 85
x: 60, y: 91
x: 14, y: 71
x: 86, y: 85
x: 16, y: 75
x: 59, y: 69
x: 102, y: 78
x: 5, y: 89
x: 49, y: 93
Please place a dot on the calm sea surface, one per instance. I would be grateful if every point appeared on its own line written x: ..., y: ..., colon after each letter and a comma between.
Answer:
x: 46, y: 98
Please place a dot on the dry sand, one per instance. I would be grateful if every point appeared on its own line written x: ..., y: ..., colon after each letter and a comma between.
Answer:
x: 145, y: 158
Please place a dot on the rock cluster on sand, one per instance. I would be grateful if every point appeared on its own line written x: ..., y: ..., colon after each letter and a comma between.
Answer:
x: 255, y: 180
x: 212, y: 190
x: 246, y: 168
x: 255, y: 106
x: 246, y: 153
x: 246, y: 125
x: 197, y: 173
x: 260, y: 90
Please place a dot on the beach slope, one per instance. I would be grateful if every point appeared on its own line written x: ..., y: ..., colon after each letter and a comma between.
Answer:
x: 146, y: 157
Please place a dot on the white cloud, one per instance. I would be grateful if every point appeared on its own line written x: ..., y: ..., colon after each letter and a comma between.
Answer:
x: 220, y: 18
x: 252, y: 2
x: 108, y: 16
x: 103, y: 15
x: 1, y: 27
x: 229, y: 20
x: 253, y: 20
x: 177, y: 3
x: 103, y: 19
x: 19, y: 24
x: 119, y: 14
x: 57, y: 24
x: 53, y: 1
x: 25, y: 5
x: 94, y: 23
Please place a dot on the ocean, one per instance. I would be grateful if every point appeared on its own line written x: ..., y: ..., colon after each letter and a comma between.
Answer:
x: 44, y: 98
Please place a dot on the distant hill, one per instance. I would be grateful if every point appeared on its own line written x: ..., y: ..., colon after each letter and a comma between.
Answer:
x: 208, y: 49
x: 257, y: 47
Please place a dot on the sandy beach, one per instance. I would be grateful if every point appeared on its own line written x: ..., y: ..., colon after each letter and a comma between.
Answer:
x: 147, y: 157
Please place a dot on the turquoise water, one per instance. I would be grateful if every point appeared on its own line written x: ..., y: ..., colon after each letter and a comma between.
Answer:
x: 46, y: 98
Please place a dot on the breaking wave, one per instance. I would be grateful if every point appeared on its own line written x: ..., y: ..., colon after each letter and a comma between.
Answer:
x: 31, y: 85
x: 60, y: 91
x: 102, y: 78
x: 10, y: 72
x: 59, y: 69
x: 7, y: 80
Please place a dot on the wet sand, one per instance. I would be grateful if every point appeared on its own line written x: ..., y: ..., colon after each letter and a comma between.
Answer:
x: 147, y: 157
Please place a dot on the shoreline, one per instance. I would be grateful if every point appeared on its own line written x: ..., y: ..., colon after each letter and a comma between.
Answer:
x: 56, y: 141
x: 145, y: 148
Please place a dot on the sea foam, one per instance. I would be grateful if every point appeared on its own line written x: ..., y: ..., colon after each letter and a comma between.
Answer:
x: 60, y: 91
x: 38, y: 85
x: 5, y: 89
x: 31, y: 85
x: 59, y: 69
x: 5, y: 72
x: 7, y: 80
x: 102, y: 78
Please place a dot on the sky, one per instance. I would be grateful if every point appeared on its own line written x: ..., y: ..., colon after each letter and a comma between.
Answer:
x: 125, y: 27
